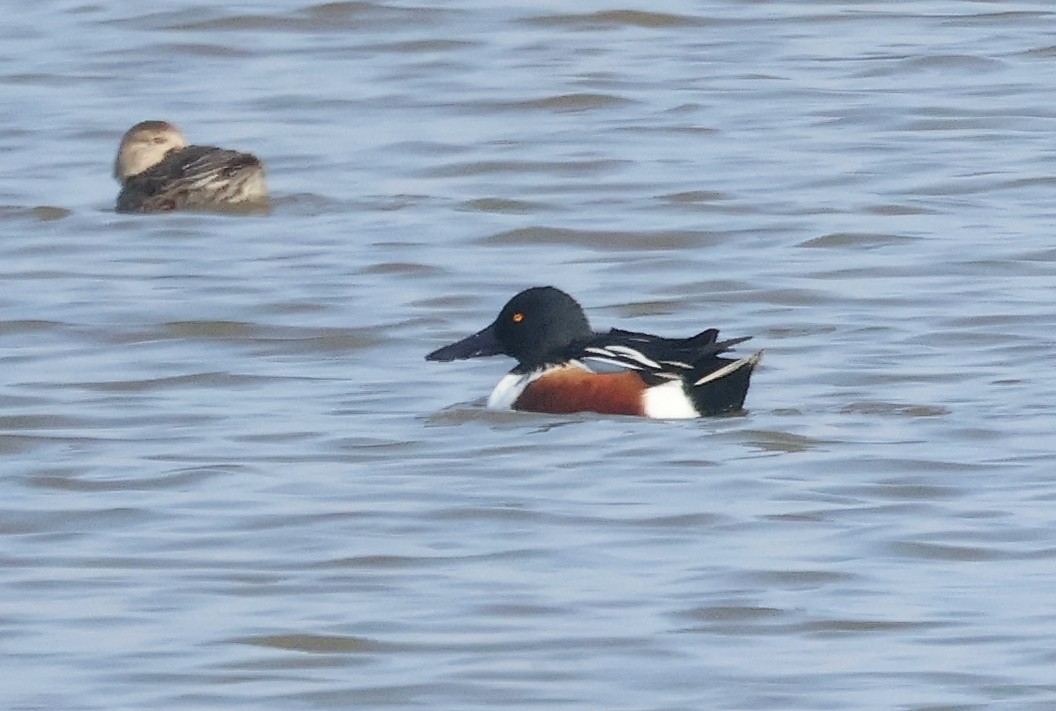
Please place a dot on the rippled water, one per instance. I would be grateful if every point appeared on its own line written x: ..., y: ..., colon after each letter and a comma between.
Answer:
x: 231, y: 481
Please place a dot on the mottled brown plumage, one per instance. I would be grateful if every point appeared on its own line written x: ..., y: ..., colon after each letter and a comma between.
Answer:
x: 159, y: 172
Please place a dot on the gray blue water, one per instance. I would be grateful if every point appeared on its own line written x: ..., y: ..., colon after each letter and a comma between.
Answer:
x: 229, y: 480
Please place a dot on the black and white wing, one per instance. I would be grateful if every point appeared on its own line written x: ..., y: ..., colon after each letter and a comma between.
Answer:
x: 662, y: 358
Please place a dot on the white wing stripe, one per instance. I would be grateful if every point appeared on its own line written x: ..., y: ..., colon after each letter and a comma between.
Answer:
x: 677, y: 364
x: 727, y: 369
x: 635, y: 355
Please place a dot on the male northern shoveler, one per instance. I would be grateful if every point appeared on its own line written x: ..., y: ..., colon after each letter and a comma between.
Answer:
x: 159, y: 171
x: 546, y: 330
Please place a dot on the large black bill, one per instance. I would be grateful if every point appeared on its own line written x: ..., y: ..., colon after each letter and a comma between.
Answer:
x: 478, y: 345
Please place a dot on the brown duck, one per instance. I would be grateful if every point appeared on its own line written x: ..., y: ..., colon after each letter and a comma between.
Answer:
x: 159, y: 171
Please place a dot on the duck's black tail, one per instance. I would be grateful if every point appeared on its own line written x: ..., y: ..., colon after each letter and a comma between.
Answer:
x: 718, y: 385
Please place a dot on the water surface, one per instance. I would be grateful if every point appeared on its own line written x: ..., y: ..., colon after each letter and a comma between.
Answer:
x: 231, y: 481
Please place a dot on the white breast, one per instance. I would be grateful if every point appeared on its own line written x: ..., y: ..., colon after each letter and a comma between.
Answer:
x: 509, y: 389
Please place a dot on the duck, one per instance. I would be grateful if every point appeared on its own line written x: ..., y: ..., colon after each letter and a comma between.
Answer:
x: 160, y: 171
x: 547, y: 332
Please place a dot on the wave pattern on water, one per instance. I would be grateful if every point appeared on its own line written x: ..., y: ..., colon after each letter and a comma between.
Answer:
x: 230, y: 480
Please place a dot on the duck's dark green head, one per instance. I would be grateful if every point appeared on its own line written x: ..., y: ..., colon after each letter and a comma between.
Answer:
x: 537, y: 326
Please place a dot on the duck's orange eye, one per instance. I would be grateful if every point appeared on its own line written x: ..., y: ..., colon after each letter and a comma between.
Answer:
x: 518, y: 317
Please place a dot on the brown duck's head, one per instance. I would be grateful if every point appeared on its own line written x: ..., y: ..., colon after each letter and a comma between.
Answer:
x: 145, y: 145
